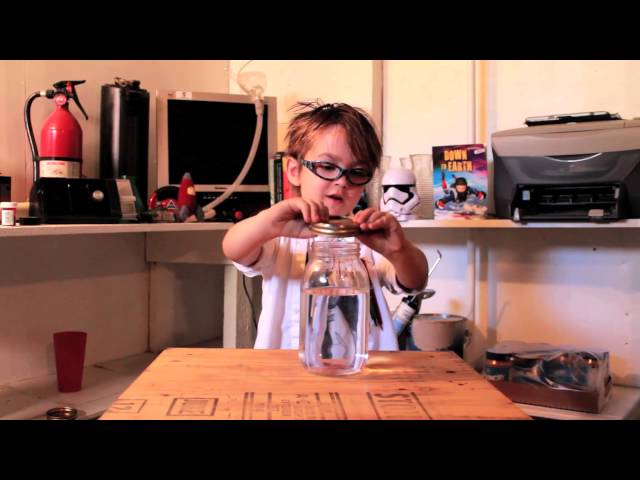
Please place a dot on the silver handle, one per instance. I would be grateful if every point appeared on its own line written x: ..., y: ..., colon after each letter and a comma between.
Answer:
x: 436, y: 263
x: 574, y: 160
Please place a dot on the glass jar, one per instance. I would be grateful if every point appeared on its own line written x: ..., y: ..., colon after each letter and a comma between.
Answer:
x: 497, y: 366
x: 334, y: 313
x: 525, y: 370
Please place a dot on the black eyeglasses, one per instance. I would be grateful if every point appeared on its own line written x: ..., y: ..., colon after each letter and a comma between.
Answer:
x: 331, y: 171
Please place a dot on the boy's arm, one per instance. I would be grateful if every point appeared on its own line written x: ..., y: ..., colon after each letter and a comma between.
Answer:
x: 410, y: 265
x: 243, y: 242
x: 382, y: 233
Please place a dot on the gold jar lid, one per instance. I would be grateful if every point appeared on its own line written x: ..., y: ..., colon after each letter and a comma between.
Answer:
x: 62, y: 413
x: 336, y: 227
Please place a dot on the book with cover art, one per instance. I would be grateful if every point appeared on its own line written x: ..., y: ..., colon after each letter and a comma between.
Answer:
x: 460, y: 181
x: 275, y: 178
x: 287, y: 189
x: 279, y: 186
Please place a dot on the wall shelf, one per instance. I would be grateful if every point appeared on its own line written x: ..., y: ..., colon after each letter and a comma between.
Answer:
x: 500, y: 223
x: 624, y: 404
x: 90, y: 229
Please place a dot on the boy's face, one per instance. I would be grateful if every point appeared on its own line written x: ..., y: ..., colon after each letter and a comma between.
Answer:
x: 339, y: 195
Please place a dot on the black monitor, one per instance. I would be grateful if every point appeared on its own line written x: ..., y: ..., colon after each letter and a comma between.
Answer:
x: 210, y: 135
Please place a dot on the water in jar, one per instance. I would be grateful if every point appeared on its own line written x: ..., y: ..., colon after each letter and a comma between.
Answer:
x: 334, y: 337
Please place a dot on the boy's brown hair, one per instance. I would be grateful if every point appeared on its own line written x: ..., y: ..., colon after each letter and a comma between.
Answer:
x: 362, y: 136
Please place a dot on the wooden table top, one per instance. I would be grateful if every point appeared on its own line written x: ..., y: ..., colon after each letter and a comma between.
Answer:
x: 247, y: 384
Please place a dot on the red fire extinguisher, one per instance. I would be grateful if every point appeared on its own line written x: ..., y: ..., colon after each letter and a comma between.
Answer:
x: 60, y: 136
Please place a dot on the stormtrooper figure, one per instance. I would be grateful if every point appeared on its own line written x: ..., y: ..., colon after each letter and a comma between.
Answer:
x: 399, y: 195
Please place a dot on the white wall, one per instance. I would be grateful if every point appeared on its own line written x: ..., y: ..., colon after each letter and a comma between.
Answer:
x: 521, y: 281
x: 562, y: 287
x: 349, y: 81
x: 426, y: 103
x: 95, y: 283
x: 528, y: 88
x: 532, y: 286
x: 566, y: 287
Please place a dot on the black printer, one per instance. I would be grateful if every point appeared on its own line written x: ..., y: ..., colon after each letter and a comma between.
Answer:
x: 582, y: 170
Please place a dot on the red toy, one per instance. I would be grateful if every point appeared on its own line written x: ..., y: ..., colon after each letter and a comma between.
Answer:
x: 187, y: 201
x: 163, y: 204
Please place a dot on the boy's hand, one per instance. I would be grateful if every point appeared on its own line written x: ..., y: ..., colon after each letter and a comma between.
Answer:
x: 291, y: 217
x: 380, y: 232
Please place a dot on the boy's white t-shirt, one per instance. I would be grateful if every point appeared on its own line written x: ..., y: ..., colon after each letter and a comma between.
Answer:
x: 282, y: 264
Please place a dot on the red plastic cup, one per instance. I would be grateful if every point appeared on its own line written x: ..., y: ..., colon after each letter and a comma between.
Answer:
x: 69, y: 348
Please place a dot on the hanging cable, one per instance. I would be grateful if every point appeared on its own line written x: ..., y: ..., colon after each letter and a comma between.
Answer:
x: 256, y: 94
x: 246, y: 292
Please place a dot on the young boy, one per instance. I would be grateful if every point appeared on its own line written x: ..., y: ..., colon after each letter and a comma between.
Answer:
x: 333, y: 151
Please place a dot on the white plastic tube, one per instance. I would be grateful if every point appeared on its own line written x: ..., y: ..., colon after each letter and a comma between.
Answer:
x: 255, y: 92
x: 208, y: 209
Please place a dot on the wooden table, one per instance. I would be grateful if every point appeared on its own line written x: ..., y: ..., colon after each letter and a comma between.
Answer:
x: 247, y: 384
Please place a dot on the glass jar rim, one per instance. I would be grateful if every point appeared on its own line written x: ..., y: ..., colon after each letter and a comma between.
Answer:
x: 335, y: 248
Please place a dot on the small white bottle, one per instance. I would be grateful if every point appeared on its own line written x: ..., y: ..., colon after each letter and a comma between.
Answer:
x: 8, y: 210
